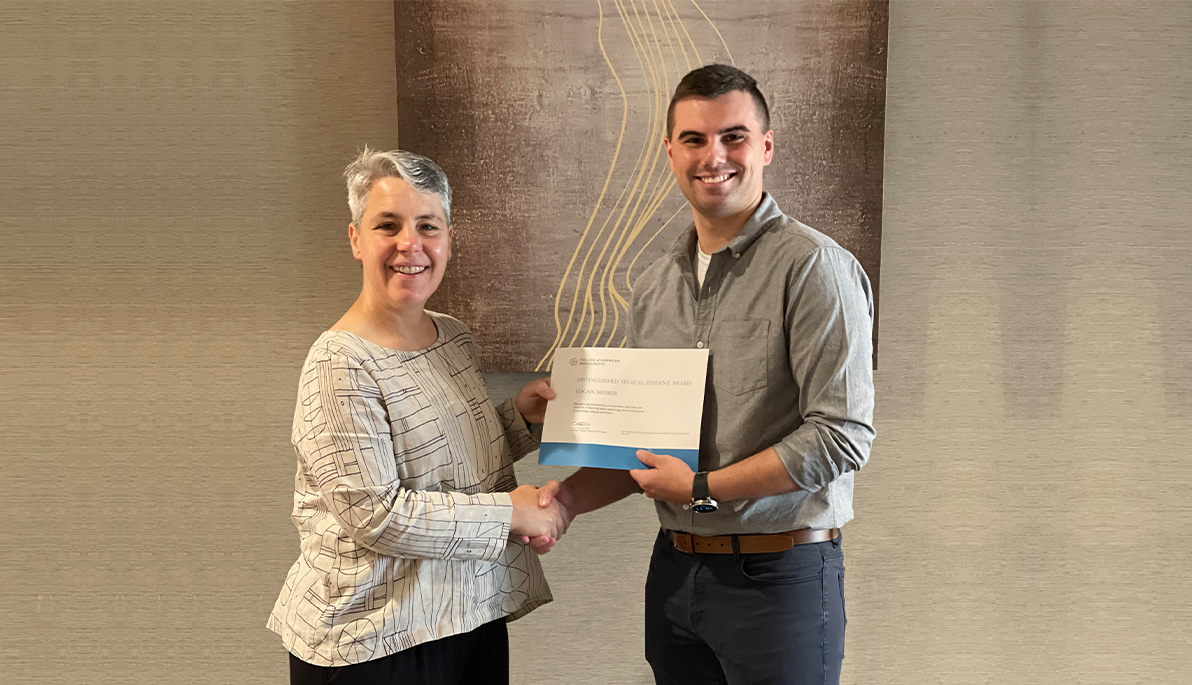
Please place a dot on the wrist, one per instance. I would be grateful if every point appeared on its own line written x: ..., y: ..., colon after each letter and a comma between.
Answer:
x: 520, y: 517
x: 701, y: 500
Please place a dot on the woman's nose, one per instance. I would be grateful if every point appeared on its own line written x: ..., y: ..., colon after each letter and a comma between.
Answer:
x: 408, y: 240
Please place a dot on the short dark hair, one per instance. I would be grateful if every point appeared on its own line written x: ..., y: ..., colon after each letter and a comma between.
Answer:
x: 712, y: 81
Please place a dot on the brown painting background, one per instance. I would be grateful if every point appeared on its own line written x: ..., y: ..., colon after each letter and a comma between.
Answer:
x: 548, y: 118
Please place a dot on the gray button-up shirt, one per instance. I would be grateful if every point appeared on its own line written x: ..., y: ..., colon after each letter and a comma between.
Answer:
x: 787, y: 314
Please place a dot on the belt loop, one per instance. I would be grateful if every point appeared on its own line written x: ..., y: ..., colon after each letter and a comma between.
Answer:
x: 836, y: 540
x: 736, y: 547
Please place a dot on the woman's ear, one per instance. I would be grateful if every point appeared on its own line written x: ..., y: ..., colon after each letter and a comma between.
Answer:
x: 354, y: 240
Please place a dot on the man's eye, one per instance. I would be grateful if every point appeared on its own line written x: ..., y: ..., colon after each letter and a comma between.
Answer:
x: 386, y: 227
x: 734, y: 138
x: 428, y: 227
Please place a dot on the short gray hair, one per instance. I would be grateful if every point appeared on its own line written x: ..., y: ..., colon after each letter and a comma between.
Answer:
x: 372, y: 165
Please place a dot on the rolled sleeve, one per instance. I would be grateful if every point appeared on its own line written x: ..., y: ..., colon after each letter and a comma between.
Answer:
x: 829, y: 324
x: 522, y: 439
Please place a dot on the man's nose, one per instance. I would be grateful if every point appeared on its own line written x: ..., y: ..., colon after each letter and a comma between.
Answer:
x: 716, y: 154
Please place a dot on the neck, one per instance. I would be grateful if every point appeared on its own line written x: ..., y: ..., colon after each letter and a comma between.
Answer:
x: 714, y: 232
x: 404, y: 328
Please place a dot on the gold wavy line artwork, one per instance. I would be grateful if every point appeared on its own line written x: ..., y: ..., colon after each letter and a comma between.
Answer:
x: 590, y: 301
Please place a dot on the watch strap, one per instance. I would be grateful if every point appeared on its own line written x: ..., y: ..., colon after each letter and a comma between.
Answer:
x: 699, y: 487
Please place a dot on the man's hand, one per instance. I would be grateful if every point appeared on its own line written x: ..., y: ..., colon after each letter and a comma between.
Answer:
x: 532, y: 398
x: 668, y: 479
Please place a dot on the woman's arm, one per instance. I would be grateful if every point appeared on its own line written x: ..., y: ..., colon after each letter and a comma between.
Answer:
x: 342, y: 434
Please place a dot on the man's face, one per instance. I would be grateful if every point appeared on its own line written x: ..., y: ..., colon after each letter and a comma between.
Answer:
x: 717, y: 151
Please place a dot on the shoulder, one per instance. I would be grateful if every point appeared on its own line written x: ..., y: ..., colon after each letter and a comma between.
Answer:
x: 450, y: 328
x: 338, y: 359
x: 797, y: 240
x: 807, y: 250
x: 338, y: 346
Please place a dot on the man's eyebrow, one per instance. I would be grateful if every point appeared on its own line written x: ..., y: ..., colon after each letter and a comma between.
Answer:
x: 730, y: 129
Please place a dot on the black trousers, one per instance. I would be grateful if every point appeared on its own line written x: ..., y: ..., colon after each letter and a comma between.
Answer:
x: 481, y: 656
x: 746, y: 619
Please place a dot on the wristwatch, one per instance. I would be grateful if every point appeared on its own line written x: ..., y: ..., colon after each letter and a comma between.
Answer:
x: 701, y: 502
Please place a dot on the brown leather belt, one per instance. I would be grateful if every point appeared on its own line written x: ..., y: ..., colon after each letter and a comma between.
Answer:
x: 748, y: 544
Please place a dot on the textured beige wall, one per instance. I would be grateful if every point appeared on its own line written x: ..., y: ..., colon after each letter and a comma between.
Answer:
x: 171, y: 239
x: 1025, y: 516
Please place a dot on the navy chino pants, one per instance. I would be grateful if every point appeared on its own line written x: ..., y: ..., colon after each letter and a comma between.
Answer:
x: 746, y: 619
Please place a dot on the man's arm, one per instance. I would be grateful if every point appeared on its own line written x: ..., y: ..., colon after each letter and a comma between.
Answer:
x: 670, y: 479
x: 585, y: 490
x: 829, y: 325
x: 588, y: 489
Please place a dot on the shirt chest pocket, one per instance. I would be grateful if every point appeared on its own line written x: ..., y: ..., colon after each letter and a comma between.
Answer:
x: 740, y: 362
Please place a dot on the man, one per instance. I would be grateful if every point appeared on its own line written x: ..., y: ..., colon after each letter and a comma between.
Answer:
x: 746, y: 582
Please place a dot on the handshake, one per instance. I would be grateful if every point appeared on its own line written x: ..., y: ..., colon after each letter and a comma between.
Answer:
x: 541, y: 515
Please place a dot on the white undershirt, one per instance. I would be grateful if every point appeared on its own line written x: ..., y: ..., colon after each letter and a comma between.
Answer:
x: 701, y: 265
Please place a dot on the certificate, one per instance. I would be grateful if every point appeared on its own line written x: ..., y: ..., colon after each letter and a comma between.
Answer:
x: 612, y: 402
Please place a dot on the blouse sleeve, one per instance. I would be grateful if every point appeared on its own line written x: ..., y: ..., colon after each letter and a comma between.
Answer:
x: 342, y: 434
x: 522, y: 440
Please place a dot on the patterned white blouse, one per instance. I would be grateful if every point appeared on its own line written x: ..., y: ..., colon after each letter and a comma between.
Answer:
x: 400, y: 501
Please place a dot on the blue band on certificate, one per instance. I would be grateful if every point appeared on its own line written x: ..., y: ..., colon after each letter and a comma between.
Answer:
x: 604, y: 456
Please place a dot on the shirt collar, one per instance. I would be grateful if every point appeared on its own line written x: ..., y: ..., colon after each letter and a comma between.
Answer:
x: 765, y: 215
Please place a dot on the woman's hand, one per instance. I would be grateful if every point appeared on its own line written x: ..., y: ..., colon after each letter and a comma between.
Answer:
x: 531, y: 400
x: 532, y: 521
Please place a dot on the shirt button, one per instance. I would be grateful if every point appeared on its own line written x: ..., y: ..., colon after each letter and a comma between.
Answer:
x: 700, y: 344
x: 736, y: 255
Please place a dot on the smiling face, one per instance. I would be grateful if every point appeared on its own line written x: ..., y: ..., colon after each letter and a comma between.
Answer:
x: 403, y: 242
x: 717, y: 151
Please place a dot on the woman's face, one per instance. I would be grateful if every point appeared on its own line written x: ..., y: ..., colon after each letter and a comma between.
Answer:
x: 403, y: 242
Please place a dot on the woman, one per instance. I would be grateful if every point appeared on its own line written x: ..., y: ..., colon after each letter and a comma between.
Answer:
x: 405, y: 497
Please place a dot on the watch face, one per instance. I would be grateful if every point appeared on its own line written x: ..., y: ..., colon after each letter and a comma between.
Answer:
x: 704, y: 508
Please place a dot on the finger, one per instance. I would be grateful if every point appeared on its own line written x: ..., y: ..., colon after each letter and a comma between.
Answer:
x: 545, y: 391
x: 640, y: 476
x: 566, y: 517
x: 560, y: 522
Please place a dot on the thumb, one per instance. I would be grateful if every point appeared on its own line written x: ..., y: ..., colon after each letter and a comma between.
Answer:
x: 547, y: 493
x: 648, y: 458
